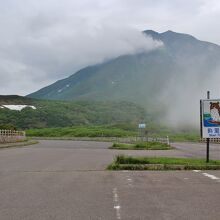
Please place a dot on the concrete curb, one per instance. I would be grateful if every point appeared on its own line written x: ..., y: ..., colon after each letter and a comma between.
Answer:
x: 162, y: 167
x: 18, y: 144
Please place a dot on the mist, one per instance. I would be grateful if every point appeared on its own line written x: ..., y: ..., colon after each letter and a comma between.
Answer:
x: 181, y: 94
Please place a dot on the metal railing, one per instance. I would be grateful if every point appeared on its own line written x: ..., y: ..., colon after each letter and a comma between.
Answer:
x: 109, y: 139
x: 211, y: 140
x: 7, y: 136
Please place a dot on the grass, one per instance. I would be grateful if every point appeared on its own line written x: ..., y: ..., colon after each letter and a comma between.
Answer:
x: 80, y: 131
x: 117, y: 130
x: 193, y: 137
x: 180, y: 133
x: 141, y: 146
x: 122, y: 159
x: 122, y: 162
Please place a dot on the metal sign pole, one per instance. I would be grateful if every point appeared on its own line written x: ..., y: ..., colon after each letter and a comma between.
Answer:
x: 201, y: 127
x: 207, y: 139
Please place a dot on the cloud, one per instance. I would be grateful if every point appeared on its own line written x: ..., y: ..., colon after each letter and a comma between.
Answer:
x: 53, y: 42
x: 43, y: 41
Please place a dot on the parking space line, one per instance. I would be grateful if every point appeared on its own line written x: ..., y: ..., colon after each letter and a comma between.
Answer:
x: 197, y: 171
x: 213, y: 177
x: 117, y: 206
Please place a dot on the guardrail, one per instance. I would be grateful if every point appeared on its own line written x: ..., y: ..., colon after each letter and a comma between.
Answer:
x: 108, y: 139
x: 7, y: 136
x: 211, y: 140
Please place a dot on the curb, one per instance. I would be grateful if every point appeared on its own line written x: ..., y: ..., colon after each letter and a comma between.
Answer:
x: 161, y: 167
x: 19, y: 144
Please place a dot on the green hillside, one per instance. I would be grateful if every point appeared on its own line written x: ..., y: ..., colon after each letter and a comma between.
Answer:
x: 50, y: 113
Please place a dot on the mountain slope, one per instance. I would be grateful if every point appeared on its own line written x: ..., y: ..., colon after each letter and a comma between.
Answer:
x: 62, y: 113
x: 183, y: 67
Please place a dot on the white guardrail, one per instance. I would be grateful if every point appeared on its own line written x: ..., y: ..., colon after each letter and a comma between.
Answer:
x: 7, y: 136
x: 109, y: 139
x: 211, y: 140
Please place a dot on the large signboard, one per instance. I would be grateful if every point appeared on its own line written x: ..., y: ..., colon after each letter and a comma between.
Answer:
x: 210, y: 116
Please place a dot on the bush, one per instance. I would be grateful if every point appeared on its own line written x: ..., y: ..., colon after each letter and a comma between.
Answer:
x: 8, y: 127
x: 142, y: 146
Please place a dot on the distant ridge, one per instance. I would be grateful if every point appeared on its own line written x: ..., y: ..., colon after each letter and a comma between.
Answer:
x: 25, y: 112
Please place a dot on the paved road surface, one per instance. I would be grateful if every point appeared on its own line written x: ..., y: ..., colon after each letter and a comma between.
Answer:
x: 197, y: 150
x: 67, y: 180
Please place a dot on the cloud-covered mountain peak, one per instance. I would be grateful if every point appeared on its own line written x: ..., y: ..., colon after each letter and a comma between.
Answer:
x: 156, y: 79
x: 169, y: 36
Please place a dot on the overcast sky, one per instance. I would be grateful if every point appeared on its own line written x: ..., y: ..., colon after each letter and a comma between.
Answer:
x: 42, y: 41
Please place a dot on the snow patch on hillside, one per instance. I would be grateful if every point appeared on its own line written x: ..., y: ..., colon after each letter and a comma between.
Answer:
x: 60, y: 90
x: 17, y: 107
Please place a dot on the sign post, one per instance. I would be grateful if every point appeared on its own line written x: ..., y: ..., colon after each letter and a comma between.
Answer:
x: 210, y: 120
x: 207, y: 140
x: 142, y: 127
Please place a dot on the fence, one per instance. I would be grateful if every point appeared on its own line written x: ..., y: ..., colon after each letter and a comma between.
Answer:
x: 7, y: 136
x: 109, y: 139
x: 211, y: 140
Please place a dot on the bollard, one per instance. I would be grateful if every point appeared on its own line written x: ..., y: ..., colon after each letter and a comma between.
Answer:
x: 168, y: 141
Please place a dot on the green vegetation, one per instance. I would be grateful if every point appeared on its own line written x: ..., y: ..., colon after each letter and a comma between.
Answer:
x: 161, y: 163
x: 68, y: 113
x: 185, y: 136
x: 141, y: 146
x: 80, y: 131
x: 116, y: 130
x: 8, y: 127
x: 122, y: 159
x: 85, y: 118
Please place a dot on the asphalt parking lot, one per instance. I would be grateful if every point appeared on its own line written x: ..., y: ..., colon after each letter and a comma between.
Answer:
x: 67, y: 180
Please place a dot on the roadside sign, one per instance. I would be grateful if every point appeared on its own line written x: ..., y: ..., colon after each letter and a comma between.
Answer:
x: 142, y: 126
x: 210, y: 118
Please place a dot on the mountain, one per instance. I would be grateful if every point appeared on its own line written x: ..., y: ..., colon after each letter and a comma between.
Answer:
x: 25, y: 112
x: 182, y: 67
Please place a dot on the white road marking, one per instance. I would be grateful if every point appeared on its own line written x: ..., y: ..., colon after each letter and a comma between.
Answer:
x: 115, y: 198
x: 197, y: 171
x: 211, y: 176
x: 117, y: 206
x: 130, y: 181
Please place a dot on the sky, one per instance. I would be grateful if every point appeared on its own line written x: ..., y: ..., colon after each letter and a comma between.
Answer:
x: 47, y: 40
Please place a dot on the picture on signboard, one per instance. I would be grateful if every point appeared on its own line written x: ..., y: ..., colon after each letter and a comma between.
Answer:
x: 211, y: 114
x: 210, y: 123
